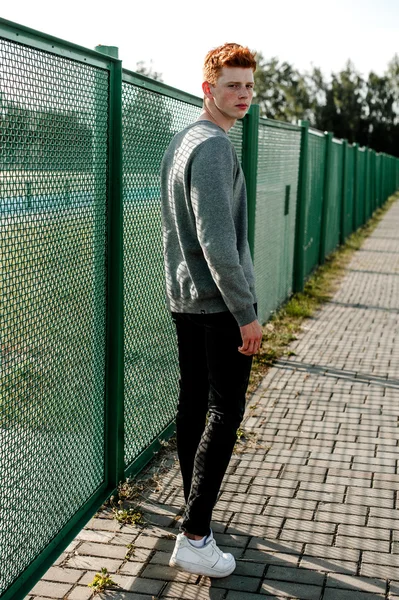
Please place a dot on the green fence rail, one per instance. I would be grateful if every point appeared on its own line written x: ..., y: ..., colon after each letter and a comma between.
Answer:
x: 88, y: 355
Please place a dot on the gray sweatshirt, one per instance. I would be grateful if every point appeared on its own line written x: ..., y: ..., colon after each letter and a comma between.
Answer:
x: 204, y: 213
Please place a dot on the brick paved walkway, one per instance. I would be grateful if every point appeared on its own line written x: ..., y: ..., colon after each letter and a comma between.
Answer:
x: 315, y: 517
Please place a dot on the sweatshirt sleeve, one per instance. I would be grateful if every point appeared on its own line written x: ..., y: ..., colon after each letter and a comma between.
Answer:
x: 211, y: 190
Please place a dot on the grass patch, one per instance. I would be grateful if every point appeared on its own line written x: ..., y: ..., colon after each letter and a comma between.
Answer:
x: 285, y: 323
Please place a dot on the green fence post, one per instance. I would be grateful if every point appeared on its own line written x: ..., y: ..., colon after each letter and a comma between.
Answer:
x: 300, y: 225
x: 326, y: 196
x: 250, y: 167
x: 115, y: 464
x: 382, y: 167
x: 344, y: 197
x: 355, y: 186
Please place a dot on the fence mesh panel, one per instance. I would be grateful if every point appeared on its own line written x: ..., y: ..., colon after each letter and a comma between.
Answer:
x: 149, y: 122
x: 334, y: 198
x: 315, y: 193
x: 53, y: 178
x: 278, y: 163
x: 235, y: 135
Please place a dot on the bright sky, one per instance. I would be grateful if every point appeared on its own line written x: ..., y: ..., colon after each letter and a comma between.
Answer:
x: 176, y: 34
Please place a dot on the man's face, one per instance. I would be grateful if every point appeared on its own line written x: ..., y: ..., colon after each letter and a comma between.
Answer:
x: 233, y: 91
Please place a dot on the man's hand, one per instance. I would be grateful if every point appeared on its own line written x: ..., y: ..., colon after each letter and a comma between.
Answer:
x: 251, y: 335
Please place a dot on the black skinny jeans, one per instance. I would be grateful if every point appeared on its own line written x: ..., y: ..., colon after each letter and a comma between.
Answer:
x: 213, y: 380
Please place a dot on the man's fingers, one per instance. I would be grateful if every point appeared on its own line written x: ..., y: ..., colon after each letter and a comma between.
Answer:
x: 250, y: 347
x: 251, y: 335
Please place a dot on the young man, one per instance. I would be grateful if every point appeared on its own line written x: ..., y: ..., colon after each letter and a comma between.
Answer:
x: 211, y: 295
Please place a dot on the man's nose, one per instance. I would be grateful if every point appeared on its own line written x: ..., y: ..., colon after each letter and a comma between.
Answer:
x: 243, y: 92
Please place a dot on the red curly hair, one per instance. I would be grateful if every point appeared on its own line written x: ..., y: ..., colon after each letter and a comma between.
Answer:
x: 227, y: 55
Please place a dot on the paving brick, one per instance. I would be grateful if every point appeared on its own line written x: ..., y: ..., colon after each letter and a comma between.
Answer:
x: 385, y: 513
x: 107, y: 550
x: 235, y: 595
x: 47, y: 589
x: 377, y: 502
x: 276, y: 558
x: 131, y: 568
x: 292, y: 475
x: 374, y: 493
x: 104, y: 525
x: 292, y: 503
x: 59, y: 575
x: 295, y: 575
x: 237, y: 582
x: 372, y: 533
x: 327, y: 565
x: 362, y: 544
x: 94, y: 563
x: 87, y: 577
x: 340, y: 517
x: 378, y: 571
x: 80, y: 593
x: 334, y: 594
x: 249, y: 568
x: 288, y: 589
x: 183, y: 591
x: 250, y: 498
x: 166, y: 573
x: 267, y: 483
x: 353, y: 509
x: 226, y: 508
x: 92, y: 535
x: 274, y: 546
x: 258, y: 520
x: 261, y: 471
x: 364, y: 584
x: 138, y: 585
x: 291, y: 535
x: 388, y: 560
x: 347, y: 554
x: 383, y: 523
x: 314, y: 526
x: 304, y: 470
x: 155, y: 543
x: 253, y: 530
x: 394, y: 587
x: 287, y: 511
x: 350, y: 473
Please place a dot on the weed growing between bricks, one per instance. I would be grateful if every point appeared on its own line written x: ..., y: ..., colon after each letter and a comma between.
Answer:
x: 285, y: 323
x: 101, y: 582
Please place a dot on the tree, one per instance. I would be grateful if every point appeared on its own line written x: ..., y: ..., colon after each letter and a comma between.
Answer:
x: 281, y: 91
x: 143, y: 69
x: 360, y: 110
x: 381, y: 116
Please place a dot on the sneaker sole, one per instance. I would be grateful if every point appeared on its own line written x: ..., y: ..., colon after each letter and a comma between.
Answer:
x: 197, y: 570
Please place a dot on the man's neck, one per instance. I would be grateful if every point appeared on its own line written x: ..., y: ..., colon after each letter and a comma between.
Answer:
x: 213, y: 114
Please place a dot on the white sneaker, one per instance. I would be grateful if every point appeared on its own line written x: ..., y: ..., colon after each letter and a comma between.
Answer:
x: 208, y: 560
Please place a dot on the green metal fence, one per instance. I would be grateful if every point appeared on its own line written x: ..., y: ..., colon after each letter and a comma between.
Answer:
x: 275, y: 215
x: 88, y: 354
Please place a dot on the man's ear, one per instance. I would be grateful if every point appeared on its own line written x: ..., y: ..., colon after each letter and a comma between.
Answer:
x: 206, y: 88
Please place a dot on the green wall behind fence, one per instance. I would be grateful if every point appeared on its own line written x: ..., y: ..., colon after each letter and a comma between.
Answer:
x: 88, y: 354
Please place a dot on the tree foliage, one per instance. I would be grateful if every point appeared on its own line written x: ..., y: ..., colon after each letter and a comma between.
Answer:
x: 362, y: 110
